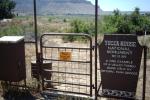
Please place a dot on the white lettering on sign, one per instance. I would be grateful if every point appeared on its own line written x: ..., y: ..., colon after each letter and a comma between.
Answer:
x: 120, y: 52
x: 120, y: 43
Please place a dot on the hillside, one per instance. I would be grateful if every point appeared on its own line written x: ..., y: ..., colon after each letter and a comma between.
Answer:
x: 48, y: 7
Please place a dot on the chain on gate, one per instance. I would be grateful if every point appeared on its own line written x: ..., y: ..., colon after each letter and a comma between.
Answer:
x: 70, y: 63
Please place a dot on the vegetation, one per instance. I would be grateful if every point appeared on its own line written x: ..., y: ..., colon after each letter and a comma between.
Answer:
x: 16, y: 27
x: 6, y: 7
x: 80, y: 26
x: 118, y: 23
x: 134, y: 23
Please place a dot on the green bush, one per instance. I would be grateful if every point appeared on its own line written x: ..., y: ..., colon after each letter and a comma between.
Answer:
x: 65, y: 20
x: 133, y: 23
x: 50, y: 19
x: 79, y: 26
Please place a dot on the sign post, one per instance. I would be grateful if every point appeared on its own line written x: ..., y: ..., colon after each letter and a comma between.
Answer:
x: 120, y: 59
x: 96, y: 32
x: 144, y: 72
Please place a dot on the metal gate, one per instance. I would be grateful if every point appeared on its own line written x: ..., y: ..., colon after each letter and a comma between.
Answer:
x: 70, y: 63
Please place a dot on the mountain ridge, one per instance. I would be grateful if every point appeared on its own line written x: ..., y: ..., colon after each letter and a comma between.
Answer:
x: 48, y: 7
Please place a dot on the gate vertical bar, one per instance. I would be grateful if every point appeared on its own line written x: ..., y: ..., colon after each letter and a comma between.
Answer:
x: 91, y: 69
x: 144, y: 72
x: 35, y: 30
x: 36, y: 39
x: 41, y: 63
x: 96, y: 27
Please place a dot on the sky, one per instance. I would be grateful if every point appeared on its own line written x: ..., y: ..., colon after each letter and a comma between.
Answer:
x: 123, y: 5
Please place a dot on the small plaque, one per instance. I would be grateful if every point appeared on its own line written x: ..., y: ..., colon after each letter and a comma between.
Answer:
x: 65, y: 56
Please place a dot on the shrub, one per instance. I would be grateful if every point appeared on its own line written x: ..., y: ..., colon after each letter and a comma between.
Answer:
x: 79, y: 26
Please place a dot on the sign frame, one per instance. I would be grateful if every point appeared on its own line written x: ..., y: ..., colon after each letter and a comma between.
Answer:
x: 102, y: 81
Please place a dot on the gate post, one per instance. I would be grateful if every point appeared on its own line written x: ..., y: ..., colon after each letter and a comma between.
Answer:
x: 144, y: 72
x: 38, y: 61
x: 96, y: 27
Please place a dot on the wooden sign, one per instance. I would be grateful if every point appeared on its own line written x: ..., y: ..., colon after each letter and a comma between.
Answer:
x: 120, y: 59
x: 65, y: 56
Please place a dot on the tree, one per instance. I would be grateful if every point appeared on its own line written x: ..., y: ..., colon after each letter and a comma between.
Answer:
x: 135, y: 16
x: 116, y: 12
x: 137, y: 10
x: 6, y: 7
x: 134, y: 23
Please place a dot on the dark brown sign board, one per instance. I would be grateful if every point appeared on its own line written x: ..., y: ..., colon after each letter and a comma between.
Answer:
x: 120, y: 59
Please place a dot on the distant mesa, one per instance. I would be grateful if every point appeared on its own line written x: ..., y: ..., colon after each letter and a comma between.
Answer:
x: 50, y: 7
